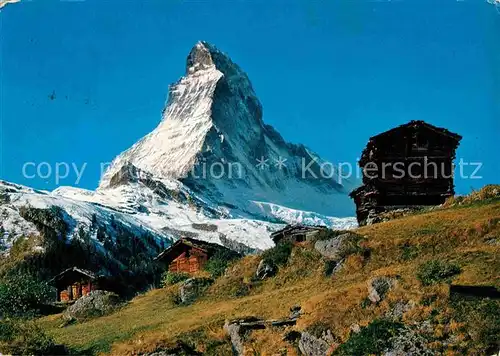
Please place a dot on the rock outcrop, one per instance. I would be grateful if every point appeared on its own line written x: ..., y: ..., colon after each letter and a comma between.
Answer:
x: 378, y: 288
x: 265, y: 270
x: 339, y: 247
x: 310, y: 345
x: 331, y: 248
x: 408, y: 342
x: 96, y: 303
x: 192, y: 288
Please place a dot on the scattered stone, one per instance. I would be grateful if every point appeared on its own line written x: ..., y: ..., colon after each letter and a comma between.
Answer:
x: 265, y: 270
x: 237, y: 328
x: 94, y: 304
x: 233, y: 330
x: 328, y: 337
x: 295, y: 312
x: 378, y: 288
x: 192, y: 288
x: 355, y: 328
x: 397, y: 311
x: 332, y: 267
x: 408, y: 343
x: 494, y: 241
x: 310, y: 345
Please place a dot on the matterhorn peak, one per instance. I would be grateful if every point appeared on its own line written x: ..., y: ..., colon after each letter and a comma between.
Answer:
x: 199, y: 58
x: 213, y: 118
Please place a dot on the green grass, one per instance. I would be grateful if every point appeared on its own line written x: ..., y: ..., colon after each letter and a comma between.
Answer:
x: 151, y: 320
x: 435, y: 271
x: 372, y: 339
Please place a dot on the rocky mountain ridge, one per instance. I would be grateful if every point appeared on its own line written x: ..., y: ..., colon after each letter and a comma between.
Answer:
x: 160, y: 186
x: 213, y: 139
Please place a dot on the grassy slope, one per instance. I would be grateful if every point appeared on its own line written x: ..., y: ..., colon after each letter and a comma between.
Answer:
x: 398, y: 248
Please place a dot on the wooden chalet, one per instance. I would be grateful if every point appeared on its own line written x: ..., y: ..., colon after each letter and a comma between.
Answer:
x: 74, y: 283
x: 407, y: 166
x: 296, y: 233
x: 189, y: 255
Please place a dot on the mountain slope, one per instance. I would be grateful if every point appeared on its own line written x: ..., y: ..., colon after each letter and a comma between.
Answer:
x: 466, y: 235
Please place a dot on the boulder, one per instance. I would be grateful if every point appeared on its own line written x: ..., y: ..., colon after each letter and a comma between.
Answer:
x: 331, y: 248
x: 397, y: 311
x: 355, y: 328
x: 339, y: 247
x: 378, y: 288
x: 94, y: 304
x: 192, y: 288
x: 233, y: 330
x: 310, y: 345
x: 265, y: 269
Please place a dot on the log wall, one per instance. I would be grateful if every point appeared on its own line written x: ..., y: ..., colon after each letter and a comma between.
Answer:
x: 189, y: 262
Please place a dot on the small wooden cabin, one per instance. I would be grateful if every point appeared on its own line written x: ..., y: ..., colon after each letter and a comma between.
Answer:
x: 296, y: 233
x: 189, y: 255
x: 408, y: 166
x: 74, y: 283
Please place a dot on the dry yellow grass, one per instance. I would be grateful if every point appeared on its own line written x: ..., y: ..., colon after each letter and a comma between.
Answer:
x: 397, y: 248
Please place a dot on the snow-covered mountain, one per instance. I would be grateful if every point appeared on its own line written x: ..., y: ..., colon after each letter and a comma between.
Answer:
x: 211, y: 170
x: 213, y: 139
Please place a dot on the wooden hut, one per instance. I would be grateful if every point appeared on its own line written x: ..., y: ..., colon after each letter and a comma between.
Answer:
x: 74, y: 283
x: 189, y: 255
x: 296, y: 233
x: 406, y: 167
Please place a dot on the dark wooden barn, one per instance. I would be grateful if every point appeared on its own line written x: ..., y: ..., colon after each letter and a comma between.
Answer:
x: 406, y: 167
x: 74, y: 283
x: 296, y: 233
x: 189, y: 255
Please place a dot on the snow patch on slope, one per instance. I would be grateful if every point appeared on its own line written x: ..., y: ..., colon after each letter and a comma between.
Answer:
x: 293, y: 216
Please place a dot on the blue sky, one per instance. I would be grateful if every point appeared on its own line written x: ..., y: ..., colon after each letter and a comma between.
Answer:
x: 330, y: 74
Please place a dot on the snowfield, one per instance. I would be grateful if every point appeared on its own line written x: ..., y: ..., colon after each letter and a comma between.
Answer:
x: 136, y: 205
